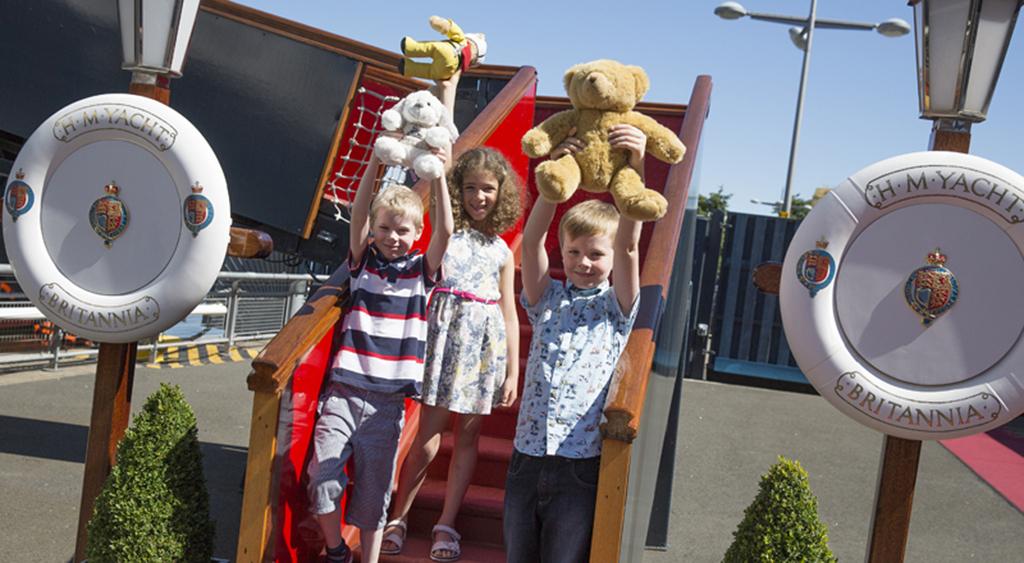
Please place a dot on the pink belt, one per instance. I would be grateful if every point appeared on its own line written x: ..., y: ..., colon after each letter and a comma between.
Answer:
x: 465, y: 295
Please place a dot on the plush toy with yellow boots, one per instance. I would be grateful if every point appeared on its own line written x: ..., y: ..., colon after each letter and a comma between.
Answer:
x: 460, y: 51
x: 603, y: 93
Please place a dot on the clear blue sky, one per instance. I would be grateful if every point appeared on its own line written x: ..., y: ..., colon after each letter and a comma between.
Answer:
x: 860, y: 107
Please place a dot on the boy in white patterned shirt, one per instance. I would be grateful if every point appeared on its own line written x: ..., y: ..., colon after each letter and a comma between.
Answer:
x: 580, y: 328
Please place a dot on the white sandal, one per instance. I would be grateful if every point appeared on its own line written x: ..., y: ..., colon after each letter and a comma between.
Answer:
x: 397, y: 540
x: 452, y: 546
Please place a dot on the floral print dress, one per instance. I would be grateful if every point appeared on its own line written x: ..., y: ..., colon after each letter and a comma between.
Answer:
x: 465, y: 361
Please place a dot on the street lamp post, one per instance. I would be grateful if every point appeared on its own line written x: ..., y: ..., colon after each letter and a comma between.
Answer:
x: 777, y: 205
x: 961, y: 46
x: 801, y: 37
x: 960, y: 51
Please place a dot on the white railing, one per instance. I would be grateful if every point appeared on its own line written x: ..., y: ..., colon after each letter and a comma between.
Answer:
x: 243, y: 306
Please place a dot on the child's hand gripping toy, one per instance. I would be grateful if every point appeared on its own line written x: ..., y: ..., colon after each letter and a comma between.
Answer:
x: 424, y: 123
x: 460, y: 51
x: 603, y: 93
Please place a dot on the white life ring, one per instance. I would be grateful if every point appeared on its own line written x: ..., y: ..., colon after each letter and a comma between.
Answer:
x: 915, y: 352
x: 116, y: 264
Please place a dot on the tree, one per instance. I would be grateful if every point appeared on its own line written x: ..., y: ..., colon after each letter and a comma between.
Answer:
x: 717, y: 201
x: 154, y: 507
x: 782, y: 524
x: 799, y: 208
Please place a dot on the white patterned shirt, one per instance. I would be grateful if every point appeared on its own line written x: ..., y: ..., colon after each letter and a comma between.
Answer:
x: 577, y: 338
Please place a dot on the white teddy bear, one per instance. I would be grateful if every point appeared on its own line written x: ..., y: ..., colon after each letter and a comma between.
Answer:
x: 424, y: 123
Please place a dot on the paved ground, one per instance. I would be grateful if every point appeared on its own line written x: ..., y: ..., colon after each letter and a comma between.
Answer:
x: 729, y: 436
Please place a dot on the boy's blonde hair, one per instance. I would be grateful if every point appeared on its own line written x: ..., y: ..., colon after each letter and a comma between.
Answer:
x: 589, y: 218
x: 399, y: 200
x: 511, y: 197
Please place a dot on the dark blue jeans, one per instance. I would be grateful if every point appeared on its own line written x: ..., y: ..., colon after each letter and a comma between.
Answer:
x: 549, y: 508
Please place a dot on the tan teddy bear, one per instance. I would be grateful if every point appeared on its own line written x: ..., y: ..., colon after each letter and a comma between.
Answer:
x: 603, y: 93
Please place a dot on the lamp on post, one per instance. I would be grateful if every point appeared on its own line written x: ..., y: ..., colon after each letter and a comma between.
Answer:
x: 154, y: 40
x: 801, y: 37
x: 961, y: 46
x: 154, y: 37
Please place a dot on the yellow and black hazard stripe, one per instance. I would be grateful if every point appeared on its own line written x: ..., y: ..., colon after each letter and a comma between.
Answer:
x: 195, y: 355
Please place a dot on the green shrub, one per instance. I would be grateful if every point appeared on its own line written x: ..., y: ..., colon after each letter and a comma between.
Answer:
x: 781, y: 525
x: 154, y: 507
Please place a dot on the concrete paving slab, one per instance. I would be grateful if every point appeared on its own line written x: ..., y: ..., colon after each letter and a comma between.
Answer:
x: 729, y: 436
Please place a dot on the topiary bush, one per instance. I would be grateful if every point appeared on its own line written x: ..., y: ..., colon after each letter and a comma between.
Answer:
x: 781, y: 525
x: 154, y: 507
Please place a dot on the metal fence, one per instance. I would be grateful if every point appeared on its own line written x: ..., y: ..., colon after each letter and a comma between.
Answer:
x: 241, y: 306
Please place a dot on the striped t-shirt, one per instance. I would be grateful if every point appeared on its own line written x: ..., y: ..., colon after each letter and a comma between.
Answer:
x: 385, y: 331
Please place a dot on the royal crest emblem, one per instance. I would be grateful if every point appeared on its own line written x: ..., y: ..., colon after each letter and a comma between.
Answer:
x: 109, y: 215
x: 198, y: 211
x: 816, y: 268
x: 19, y: 197
x: 931, y: 290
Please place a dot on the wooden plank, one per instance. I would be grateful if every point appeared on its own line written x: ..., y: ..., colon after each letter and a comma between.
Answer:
x: 748, y: 293
x: 153, y: 91
x: 954, y: 141
x: 729, y: 288
x: 771, y: 304
x: 611, y: 502
x: 770, y: 252
x: 255, y: 532
x: 706, y: 293
x: 332, y: 153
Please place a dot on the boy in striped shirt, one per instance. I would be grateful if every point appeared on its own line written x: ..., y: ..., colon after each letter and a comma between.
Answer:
x: 380, y: 361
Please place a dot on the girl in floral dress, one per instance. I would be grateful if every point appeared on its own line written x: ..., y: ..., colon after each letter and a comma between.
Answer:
x: 472, y: 356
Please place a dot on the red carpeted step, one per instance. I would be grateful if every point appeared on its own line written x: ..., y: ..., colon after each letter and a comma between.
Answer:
x: 417, y: 550
x: 493, y: 455
x: 501, y: 423
x: 479, y: 518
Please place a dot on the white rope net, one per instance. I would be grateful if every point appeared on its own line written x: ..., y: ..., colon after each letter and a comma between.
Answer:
x: 341, y: 189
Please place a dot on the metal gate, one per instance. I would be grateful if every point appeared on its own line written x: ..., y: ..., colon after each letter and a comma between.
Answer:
x: 741, y: 326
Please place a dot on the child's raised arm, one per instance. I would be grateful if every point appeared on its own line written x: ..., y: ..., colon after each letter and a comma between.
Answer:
x: 535, y: 257
x: 626, y: 263
x: 359, y: 223
x: 441, y: 231
x: 535, y: 265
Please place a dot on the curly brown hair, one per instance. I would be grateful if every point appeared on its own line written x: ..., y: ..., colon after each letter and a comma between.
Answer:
x: 511, y: 196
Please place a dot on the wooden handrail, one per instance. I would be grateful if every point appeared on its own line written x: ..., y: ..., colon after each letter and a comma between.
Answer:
x: 275, y: 363
x: 626, y: 398
x: 624, y: 406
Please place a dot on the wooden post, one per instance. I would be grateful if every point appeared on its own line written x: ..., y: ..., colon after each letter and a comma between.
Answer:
x: 112, y: 397
x: 111, y: 408
x: 894, y: 493
x: 611, y: 489
x: 894, y: 498
x: 950, y: 140
x: 255, y: 534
